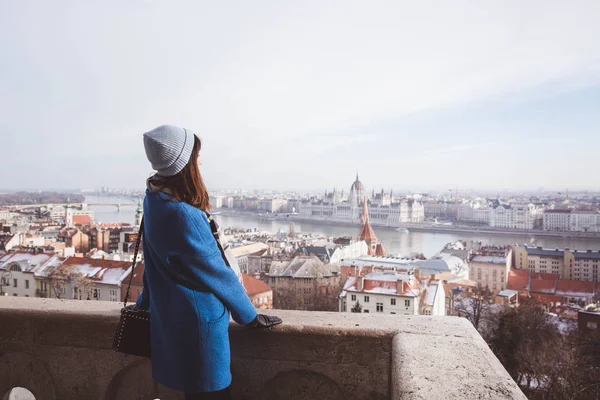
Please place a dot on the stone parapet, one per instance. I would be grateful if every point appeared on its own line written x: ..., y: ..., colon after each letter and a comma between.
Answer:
x: 61, y: 350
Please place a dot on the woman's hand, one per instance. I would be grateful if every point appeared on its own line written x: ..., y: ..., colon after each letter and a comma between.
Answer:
x: 264, y: 321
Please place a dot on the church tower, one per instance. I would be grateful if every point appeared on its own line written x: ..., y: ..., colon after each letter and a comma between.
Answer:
x: 375, y: 247
x: 139, y: 213
x: 68, y: 214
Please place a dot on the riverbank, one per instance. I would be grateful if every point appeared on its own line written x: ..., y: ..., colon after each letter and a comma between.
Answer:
x: 425, y: 227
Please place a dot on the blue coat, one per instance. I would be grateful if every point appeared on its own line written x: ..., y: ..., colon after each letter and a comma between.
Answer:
x: 190, y: 292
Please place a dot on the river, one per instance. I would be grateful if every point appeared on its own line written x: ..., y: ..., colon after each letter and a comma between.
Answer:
x: 427, y: 243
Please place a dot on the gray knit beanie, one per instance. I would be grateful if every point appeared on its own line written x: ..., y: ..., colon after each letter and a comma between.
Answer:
x: 168, y: 149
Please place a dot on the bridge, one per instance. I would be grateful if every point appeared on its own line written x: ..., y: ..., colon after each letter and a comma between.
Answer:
x: 20, y: 207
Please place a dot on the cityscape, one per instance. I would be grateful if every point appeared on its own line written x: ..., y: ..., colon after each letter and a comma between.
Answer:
x: 342, y: 200
x: 60, y: 251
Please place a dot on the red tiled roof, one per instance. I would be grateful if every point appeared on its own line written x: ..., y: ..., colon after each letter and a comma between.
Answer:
x: 566, y: 286
x: 523, y: 273
x: 81, y: 219
x: 97, y: 262
x: 518, y: 280
x: 542, y: 275
x: 542, y: 285
x: 137, y: 275
x: 254, y: 286
x: 370, y: 284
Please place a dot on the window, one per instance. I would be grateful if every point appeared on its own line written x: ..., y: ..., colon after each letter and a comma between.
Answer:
x: 379, y: 307
x: 26, y: 283
x: 112, y: 295
x: 366, y: 299
x: 393, y: 302
x: 353, y: 297
x: 15, y: 283
x: 392, y: 312
x: 96, y: 293
x: 273, y: 279
x: 365, y: 311
x: 407, y: 303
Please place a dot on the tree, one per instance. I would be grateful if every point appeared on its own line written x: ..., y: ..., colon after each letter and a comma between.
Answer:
x: 357, y: 308
x: 83, y: 285
x: 475, y: 306
x: 60, y: 277
x: 521, y: 342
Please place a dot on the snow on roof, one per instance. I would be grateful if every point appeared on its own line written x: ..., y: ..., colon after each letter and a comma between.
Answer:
x: 350, y: 282
x: 431, y: 292
x: 507, y: 293
x: 248, y: 249
x: 48, y: 266
x: 387, y: 277
x: 381, y: 261
x: 381, y: 290
x: 489, y: 259
x: 32, y: 260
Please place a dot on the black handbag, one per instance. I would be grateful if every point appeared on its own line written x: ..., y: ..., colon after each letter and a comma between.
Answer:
x: 133, y: 332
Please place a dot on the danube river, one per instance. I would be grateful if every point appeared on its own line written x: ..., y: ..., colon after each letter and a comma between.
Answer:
x: 427, y: 243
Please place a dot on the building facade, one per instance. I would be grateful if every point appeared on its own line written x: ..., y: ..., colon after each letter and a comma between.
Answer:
x: 518, y: 216
x: 557, y: 220
x: 490, y: 266
x: 304, y: 283
x: 585, y: 221
x: 17, y: 272
x: 581, y: 265
x: 258, y: 292
x: 390, y: 292
x: 384, y: 209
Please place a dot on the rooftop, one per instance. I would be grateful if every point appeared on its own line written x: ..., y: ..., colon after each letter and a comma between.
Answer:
x: 489, y: 259
x: 303, y: 267
x: 254, y: 286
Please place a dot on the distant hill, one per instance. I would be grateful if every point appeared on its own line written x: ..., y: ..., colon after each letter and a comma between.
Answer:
x: 9, y: 199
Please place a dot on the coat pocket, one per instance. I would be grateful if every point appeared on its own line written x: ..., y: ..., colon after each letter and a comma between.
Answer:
x: 209, y: 308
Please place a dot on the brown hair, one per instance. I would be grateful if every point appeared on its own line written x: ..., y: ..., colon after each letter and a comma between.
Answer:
x: 187, y: 185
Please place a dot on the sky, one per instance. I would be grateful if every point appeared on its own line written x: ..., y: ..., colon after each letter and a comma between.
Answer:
x: 303, y: 94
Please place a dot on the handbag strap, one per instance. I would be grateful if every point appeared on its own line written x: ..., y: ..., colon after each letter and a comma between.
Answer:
x: 215, y: 231
x: 134, y: 263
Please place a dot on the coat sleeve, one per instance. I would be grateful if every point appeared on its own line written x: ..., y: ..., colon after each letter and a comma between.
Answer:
x: 197, y: 261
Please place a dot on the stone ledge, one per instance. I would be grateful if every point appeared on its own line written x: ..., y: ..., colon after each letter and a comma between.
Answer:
x: 356, y: 356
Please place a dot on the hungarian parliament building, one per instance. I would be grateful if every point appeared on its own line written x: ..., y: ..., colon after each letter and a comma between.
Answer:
x: 383, y: 208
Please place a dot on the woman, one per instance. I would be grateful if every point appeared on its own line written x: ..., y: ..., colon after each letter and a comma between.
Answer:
x: 188, y: 287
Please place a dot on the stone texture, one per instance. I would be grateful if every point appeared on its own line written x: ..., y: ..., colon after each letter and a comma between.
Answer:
x: 61, y: 349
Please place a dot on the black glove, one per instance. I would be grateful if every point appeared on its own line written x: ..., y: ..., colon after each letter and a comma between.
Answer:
x: 264, y: 321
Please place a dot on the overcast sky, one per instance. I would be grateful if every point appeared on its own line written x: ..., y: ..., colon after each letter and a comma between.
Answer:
x: 302, y: 94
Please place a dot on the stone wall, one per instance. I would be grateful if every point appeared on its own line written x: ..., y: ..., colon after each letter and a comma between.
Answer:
x: 61, y: 349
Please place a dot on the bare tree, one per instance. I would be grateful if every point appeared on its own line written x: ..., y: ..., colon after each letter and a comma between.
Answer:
x: 83, y: 285
x: 475, y: 306
x: 59, y: 277
x: 63, y: 275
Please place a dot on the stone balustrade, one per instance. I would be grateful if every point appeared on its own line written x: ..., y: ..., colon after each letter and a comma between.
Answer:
x: 61, y: 350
